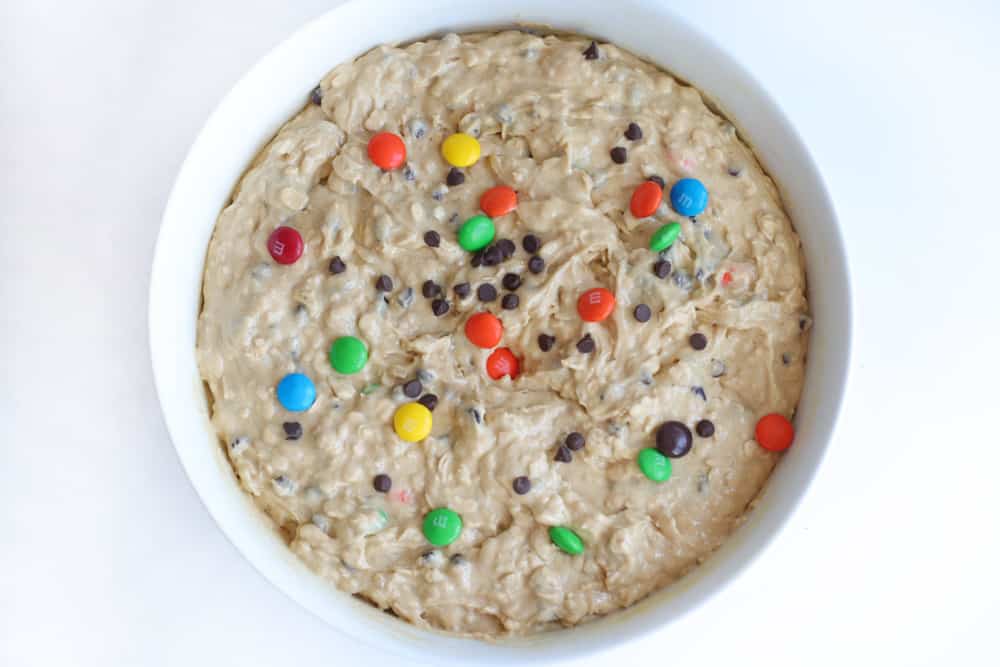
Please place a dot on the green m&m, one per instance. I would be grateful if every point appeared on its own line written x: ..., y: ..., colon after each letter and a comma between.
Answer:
x: 442, y: 526
x: 348, y: 355
x: 476, y: 233
x: 566, y: 539
x: 654, y: 465
x: 665, y: 236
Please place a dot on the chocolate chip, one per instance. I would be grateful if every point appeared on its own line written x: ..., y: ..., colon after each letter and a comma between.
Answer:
x: 521, y: 485
x: 705, y: 428
x: 437, y: 194
x: 506, y: 248
x: 575, y: 441
x: 408, y: 173
x: 734, y: 171
x: 293, y: 430
x: 384, y: 283
x: 477, y: 259
x: 642, y: 313
x: 492, y: 256
x: 478, y: 418
x: 786, y: 358
x: 661, y: 268
x: 458, y: 560
x: 510, y: 301
x: 430, y: 289
x: 511, y: 281
x: 462, y: 290
x: 699, y: 392
x: 531, y: 243
x: 439, y: 307
x: 585, y: 345
x: 429, y: 401
x: 545, y: 342
x: 536, y: 264
x: 382, y: 483
x: 432, y: 238
x: 454, y: 177
x: 698, y: 341
x: 633, y: 132
x: 337, y: 265
x: 673, y: 439
x: 413, y: 388
x: 563, y: 454
x: 591, y: 52
x: 486, y: 292
x: 316, y: 95
x: 659, y: 181
x: 619, y: 155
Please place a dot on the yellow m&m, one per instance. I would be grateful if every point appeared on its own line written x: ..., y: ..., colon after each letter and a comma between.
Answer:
x: 460, y: 150
x: 412, y: 422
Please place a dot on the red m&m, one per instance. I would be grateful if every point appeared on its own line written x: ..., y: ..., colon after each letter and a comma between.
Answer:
x: 502, y: 362
x: 484, y: 330
x: 498, y: 201
x: 595, y: 304
x: 774, y: 432
x: 646, y: 199
x: 285, y: 245
x: 387, y: 150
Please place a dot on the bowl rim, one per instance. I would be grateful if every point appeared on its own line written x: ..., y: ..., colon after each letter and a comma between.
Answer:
x: 369, y: 626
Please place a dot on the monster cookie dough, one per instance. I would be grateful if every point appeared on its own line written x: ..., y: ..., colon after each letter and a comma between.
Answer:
x: 503, y: 331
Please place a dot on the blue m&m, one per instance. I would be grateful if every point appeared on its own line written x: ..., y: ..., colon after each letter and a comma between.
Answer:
x: 688, y: 196
x: 296, y: 392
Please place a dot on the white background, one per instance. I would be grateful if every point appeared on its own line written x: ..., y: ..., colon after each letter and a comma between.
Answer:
x: 107, y: 556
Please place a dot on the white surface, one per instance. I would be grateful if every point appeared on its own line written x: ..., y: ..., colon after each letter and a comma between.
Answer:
x: 274, y: 89
x: 108, y: 557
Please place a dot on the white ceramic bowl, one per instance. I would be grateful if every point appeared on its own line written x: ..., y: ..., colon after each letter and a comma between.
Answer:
x: 275, y: 89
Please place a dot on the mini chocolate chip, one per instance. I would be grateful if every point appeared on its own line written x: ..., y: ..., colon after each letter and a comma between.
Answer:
x: 734, y: 171
x: 437, y: 194
x: 633, y: 132
x: 486, y: 292
x: 642, y: 313
x: 575, y: 441
x: 699, y: 392
x: 698, y: 341
x: 439, y: 307
x: 521, y: 485
x: 531, y: 243
x: 705, y: 428
x: 511, y: 281
x: 429, y: 401
x: 413, y: 388
x: 507, y: 248
x: 536, y: 264
x: 337, y: 265
x: 455, y: 177
x: 591, y: 52
x: 545, y: 342
x: 492, y: 256
x: 475, y: 415
x: 659, y: 181
x: 510, y: 301
x: 316, y: 95
x: 383, y: 283
x: 293, y: 430
x: 619, y: 155
x: 802, y: 323
x: 430, y: 289
x: 661, y: 268
x: 477, y: 259
x: 432, y: 238
x: 462, y: 290
x: 408, y: 173
x: 458, y: 559
x: 382, y: 483
x: 585, y: 345
x: 563, y: 454
x: 786, y: 358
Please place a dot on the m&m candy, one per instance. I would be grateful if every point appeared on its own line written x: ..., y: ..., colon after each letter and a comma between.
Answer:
x: 442, y: 526
x: 502, y: 362
x: 476, y: 233
x: 498, y: 200
x: 646, y: 199
x: 688, y: 196
x: 595, y: 304
x: 387, y: 150
x: 654, y: 465
x: 566, y: 539
x: 348, y: 355
x: 460, y: 150
x: 665, y: 236
x: 296, y: 392
x: 412, y: 422
x: 484, y: 330
x: 774, y: 432
x: 285, y: 245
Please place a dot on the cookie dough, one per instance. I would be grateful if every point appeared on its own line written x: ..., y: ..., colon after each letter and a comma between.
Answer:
x: 709, y: 333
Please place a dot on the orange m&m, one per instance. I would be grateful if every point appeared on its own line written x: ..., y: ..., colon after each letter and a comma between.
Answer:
x: 484, y: 330
x: 498, y: 200
x: 646, y: 199
x: 774, y: 432
x: 387, y: 150
x: 595, y: 304
x: 502, y: 362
